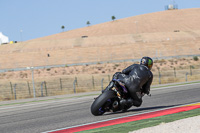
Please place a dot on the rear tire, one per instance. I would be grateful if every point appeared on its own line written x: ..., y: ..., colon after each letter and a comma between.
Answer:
x: 96, y: 108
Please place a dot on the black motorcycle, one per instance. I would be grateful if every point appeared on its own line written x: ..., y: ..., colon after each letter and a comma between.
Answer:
x: 112, y: 100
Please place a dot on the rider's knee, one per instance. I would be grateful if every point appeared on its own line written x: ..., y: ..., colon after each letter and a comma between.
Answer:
x: 137, y: 103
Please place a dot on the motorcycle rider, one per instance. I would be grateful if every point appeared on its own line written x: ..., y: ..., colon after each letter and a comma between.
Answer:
x: 137, y: 79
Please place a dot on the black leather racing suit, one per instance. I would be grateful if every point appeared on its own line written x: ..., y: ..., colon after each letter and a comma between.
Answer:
x: 137, y: 79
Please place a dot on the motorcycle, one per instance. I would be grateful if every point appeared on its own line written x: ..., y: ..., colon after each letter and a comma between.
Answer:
x: 112, y: 100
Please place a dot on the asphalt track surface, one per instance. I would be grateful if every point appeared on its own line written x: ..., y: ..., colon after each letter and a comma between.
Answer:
x: 67, y: 111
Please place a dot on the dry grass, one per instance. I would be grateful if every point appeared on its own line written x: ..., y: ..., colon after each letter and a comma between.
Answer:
x: 60, y: 81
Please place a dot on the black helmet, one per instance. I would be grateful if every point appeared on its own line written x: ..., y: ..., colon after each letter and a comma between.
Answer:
x: 147, y: 61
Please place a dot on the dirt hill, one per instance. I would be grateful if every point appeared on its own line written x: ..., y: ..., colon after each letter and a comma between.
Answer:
x: 165, y: 33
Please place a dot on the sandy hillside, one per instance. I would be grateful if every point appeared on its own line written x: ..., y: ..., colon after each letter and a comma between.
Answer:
x: 165, y: 33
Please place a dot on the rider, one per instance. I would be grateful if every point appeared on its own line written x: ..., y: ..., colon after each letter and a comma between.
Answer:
x: 137, y: 79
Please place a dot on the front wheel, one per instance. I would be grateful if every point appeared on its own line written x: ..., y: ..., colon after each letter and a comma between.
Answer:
x: 97, y: 107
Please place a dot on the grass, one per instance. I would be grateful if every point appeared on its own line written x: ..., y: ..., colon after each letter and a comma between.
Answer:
x: 84, y: 84
x: 54, y: 86
x: 48, y: 99
x: 63, y: 84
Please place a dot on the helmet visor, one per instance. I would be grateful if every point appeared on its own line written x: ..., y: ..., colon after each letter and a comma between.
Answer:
x: 150, y: 64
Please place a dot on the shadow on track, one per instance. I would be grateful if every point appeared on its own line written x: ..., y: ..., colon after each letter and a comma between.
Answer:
x: 143, y: 109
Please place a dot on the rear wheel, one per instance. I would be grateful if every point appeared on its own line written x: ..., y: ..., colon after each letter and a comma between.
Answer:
x: 101, y: 102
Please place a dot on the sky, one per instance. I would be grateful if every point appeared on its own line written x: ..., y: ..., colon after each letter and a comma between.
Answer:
x: 23, y: 20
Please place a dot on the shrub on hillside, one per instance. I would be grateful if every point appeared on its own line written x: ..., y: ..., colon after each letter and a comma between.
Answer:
x: 196, y: 58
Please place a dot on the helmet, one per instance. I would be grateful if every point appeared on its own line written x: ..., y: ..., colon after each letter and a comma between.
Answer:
x: 147, y: 61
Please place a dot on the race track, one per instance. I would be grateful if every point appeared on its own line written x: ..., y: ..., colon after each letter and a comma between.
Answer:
x: 52, y: 114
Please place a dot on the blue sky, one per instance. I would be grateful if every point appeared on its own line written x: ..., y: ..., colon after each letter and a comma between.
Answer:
x: 30, y: 19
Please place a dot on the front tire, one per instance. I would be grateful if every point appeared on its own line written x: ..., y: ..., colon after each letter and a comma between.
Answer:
x: 97, y: 106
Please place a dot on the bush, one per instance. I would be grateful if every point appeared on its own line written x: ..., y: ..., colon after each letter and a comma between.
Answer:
x: 196, y: 58
x: 116, y: 65
x: 48, y: 69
